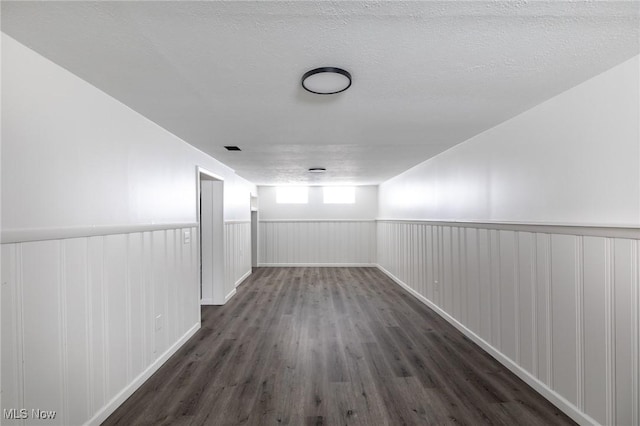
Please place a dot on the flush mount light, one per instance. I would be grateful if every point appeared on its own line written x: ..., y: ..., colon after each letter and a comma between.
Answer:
x: 317, y: 170
x: 326, y: 80
x: 232, y: 148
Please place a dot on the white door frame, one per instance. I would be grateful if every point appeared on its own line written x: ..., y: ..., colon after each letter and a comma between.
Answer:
x: 211, y: 269
x: 254, y: 238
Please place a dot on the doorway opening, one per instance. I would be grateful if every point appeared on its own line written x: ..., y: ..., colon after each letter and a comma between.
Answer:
x: 254, y: 235
x: 211, y: 227
x: 254, y: 231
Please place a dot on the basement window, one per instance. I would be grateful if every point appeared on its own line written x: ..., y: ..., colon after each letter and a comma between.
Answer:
x: 292, y: 195
x: 339, y: 194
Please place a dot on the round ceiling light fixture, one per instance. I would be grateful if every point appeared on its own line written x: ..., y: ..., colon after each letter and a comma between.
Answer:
x: 317, y: 170
x: 326, y: 80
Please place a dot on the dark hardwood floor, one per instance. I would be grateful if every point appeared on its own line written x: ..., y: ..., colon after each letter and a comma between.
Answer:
x: 331, y: 346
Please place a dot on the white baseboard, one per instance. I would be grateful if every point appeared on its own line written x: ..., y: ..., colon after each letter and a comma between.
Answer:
x: 212, y: 302
x: 242, y: 278
x: 317, y: 265
x: 125, y: 393
x: 555, y: 398
x: 230, y: 295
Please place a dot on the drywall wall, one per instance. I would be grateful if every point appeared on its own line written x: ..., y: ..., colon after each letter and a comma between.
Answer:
x: 75, y: 157
x: 574, y: 159
x: 100, y: 276
x: 558, y: 305
x: 364, y: 208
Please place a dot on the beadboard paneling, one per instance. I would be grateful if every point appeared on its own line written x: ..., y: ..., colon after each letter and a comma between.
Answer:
x: 623, y: 327
x: 321, y: 242
x: 12, y: 337
x: 44, y: 374
x: 594, y: 327
x: 237, y: 254
x: 563, y: 316
x: 562, y: 310
x: 79, y: 317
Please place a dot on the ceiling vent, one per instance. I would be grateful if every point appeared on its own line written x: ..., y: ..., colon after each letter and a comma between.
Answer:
x: 232, y: 148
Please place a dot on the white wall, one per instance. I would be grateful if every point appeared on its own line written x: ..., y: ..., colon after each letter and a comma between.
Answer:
x: 317, y: 243
x: 212, y: 242
x: 316, y: 233
x: 365, y: 207
x: 559, y: 305
x: 75, y: 157
x: 237, y: 237
x: 1, y: 322
x: 574, y: 159
x: 99, y: 283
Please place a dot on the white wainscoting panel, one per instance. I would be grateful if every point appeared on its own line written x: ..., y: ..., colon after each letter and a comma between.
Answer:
x: 237, y: 253
x: 562, y: 311
x: 85, y: 320
x: 317, y: 242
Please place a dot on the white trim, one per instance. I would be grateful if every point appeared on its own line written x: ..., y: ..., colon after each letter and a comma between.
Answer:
x: 613, y: 231
x: 553, y: 397
x: 63, y: 330
x: 10, y: 236
x: 314, y: 220
x: 610, y: 331
x: 236, y: 222
x: 212, y: 176
x: 242, y: 278
x: 317, y: 265
x: 580, y: 336
x: 125, y: 393
x: 210, y: 302
x: 230, y: 295
x: 635, y: 291
x: 203, y: 174
x: 207, y: 176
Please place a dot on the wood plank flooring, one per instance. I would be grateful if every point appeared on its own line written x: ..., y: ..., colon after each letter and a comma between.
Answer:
x: 331, y: 346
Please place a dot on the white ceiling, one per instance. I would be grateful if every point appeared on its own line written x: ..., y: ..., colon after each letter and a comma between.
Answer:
x: 426, y: 75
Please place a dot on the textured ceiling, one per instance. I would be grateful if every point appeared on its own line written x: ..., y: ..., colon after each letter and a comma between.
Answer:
x: 426, y: 75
